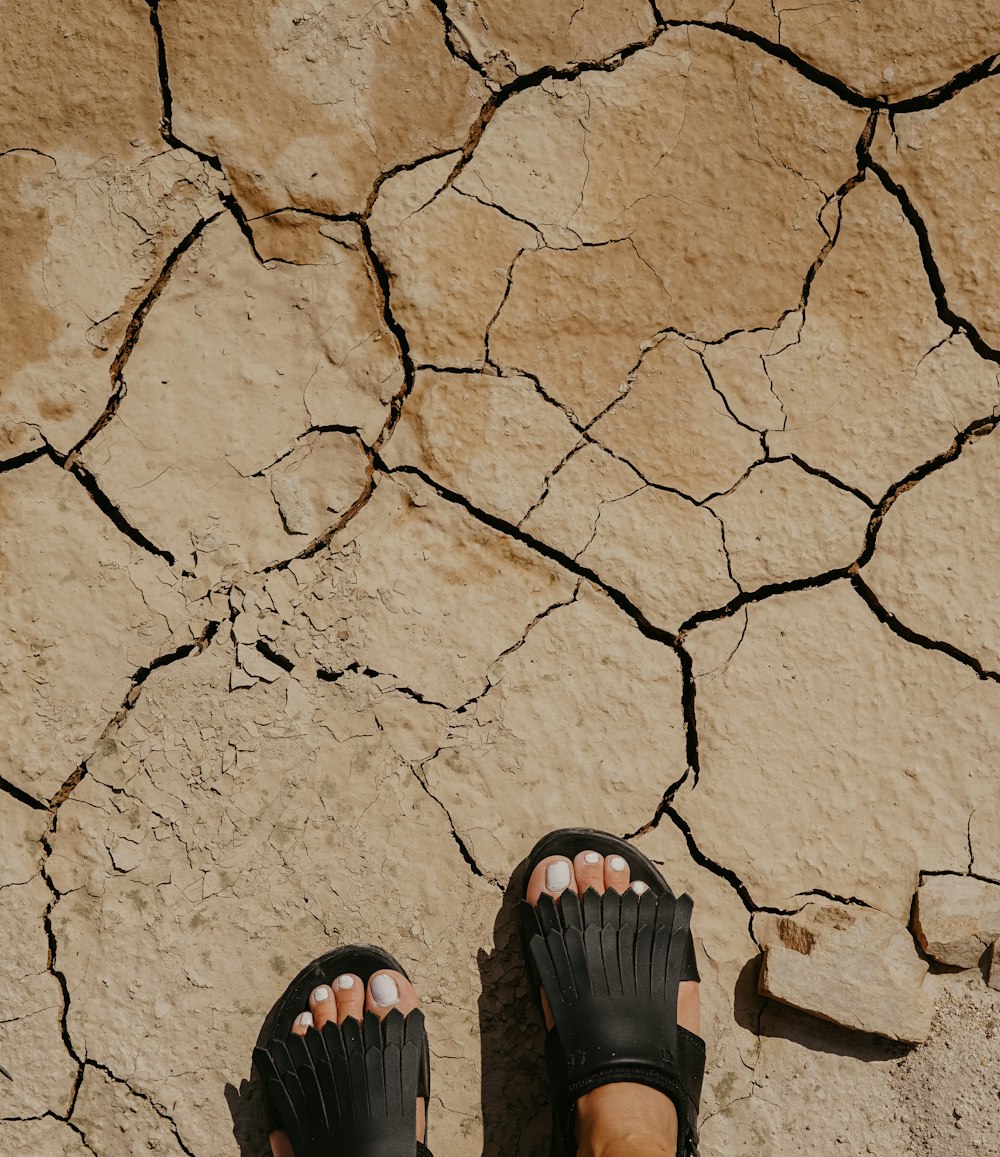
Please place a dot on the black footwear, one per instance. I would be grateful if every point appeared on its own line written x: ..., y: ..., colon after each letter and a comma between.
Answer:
x: 610, y: 965
x: 346, y: 1090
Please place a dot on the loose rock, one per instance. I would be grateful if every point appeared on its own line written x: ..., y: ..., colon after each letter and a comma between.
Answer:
x: 851, y: 965
x: 957, y: 918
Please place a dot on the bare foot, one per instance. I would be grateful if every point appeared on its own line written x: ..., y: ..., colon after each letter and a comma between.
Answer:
x: 348, y: 996
x: 622, y: 1118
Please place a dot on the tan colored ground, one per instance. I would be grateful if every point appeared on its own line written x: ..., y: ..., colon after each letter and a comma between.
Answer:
x: 428, y: 423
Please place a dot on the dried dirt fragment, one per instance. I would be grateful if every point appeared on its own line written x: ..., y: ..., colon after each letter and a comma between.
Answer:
x: 688, y: 150
x: 938, y: 550
x: 880, y: 783
x: 44, y: 1135
x: 319, y: 481
x: 237, y: 361
x: 957, y: 918
x: 448, y: 263
x: 513, y: 37
x: 579, y: 321
x: 436, y: 595
x: 305, y: 109
x: 75, y: 628
x: 31, y: 1001
x: 21, y: 829
x: 675, y: 429
x: 894, y: 50
x: 566, y: 517
x: 940, y: 158
x: 573, y: 723
x: 663, y: 552
x: 851, y: 965
x: 492, y: 439
x: 94, y: 204
x: 113, y: 1119
x: 782, y: 524
x: 877, y: 384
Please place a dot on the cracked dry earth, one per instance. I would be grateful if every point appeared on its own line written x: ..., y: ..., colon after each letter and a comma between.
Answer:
x: 429, y: 423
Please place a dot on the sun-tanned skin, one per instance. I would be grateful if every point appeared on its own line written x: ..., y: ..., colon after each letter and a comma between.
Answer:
x: 617, y: 1120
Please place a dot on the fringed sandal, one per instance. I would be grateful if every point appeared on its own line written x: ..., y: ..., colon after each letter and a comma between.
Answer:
x: 610, y: 965
x: 351, y: 1089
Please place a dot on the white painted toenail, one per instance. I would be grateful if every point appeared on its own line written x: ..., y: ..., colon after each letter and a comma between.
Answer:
x: 640, y: 887
x: 617, y: 864
x: 320, y: 994
x: 304, y: 1018
x: 592, y: 857
x: 557, y: 876
x: 344, y: 982
x: 384, y: 991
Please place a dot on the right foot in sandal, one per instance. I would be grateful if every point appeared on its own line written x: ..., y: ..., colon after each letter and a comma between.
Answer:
x: 622, y: 1118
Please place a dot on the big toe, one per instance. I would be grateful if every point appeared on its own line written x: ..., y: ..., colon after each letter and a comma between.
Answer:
x: 553, y: 876
x: 388, y: 989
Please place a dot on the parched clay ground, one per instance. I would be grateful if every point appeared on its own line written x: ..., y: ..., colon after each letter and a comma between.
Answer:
x: 428, y: 423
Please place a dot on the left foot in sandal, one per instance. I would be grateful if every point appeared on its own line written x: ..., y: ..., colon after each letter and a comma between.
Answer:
x: 348, y: 996
x: 622, y: 1118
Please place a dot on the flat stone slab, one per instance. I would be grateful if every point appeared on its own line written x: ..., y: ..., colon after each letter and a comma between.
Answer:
x: 957, y: 918
x: 851, y: 965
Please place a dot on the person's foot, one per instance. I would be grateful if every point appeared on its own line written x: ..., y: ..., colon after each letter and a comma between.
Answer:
x: 349, y: 996
x: 620, y: 1118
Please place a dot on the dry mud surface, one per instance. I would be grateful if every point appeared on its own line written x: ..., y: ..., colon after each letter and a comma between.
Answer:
x: 424, y: 424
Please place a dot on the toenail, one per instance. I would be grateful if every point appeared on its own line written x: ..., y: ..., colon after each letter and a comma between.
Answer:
x: 344, y: 982
x: 591, y: 857
x: 320, y: 994
x: 304, y: 1018
x: 557, y: 876
x: 640, y: 887
x: 617, y: 864
x: 384, y: 991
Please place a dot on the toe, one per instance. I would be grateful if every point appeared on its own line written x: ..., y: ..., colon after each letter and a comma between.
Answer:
x: 554, y: 875
x: 303, y: 1021
x: 616, y: 873
x: 388, y: 989
x: 349, y: 995
x: 322, y: 1005
x: 588, y: 868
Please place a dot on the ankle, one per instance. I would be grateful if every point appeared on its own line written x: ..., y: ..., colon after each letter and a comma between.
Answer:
x: 626, y: 1120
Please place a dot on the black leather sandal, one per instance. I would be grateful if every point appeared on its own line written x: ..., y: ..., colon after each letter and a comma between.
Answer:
x: 346, y: 1090
x: 610, y: 965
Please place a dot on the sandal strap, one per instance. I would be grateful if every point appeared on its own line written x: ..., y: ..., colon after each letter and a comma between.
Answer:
x: 350, y: 1089
x: 610, y: 965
